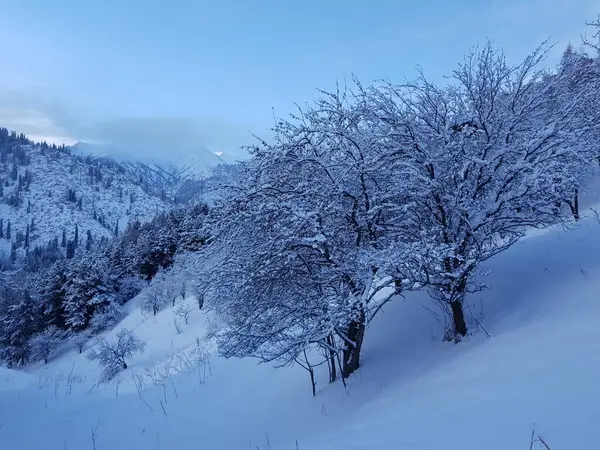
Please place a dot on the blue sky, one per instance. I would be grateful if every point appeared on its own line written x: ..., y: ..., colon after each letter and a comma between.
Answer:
x: 178, y: 74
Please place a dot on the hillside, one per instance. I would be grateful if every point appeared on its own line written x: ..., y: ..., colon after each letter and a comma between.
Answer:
x: 47, y: 191
x: 413, y: 391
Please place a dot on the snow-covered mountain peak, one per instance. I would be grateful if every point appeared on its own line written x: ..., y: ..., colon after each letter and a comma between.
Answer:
x: 196, y: 163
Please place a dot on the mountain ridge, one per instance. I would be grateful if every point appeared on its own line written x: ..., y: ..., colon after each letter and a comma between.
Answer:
x: 196, y: 164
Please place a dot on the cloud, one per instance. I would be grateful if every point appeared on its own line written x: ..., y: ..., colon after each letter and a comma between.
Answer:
x: 162, y: 137
x: 35, y: 113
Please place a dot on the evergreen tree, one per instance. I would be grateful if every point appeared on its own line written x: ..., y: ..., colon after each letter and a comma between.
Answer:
x: 89, y: 290
x: 18, y: 323
x: 70, y: 250
x: 52, y: 290
x: 88, y: 242
x: 13, y: 252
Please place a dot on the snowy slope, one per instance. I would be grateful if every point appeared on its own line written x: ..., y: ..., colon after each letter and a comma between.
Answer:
x: 540, y: 366
x: 105, y: 193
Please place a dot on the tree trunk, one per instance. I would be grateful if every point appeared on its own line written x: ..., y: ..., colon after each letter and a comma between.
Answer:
x: 460, y: 326
x: 397, y: 287
x: 332, y: 367
x: 311, y: 372
x: 575, y: 208
x: 574, y: 204
x: 351, y: 353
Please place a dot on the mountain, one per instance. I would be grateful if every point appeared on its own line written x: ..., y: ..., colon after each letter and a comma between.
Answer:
x: 197, y: 164
x: 47, y: 192
x: 200, y: 163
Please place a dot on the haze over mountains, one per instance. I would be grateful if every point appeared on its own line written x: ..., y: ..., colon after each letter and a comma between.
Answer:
x: 193, y: 163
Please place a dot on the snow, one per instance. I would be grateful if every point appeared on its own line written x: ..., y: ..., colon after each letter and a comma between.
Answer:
x: 413, y: 391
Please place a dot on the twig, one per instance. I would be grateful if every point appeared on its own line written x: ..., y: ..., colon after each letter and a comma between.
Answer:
x: 596, y: 215
x: 163, y: 407
x: 479, y: 324
x: 137, y: 387
x: 95, y: 385
x: 70, y: 379
x: 543, y: 442
x: 173, y: 385
x: 532, y: 438
x: 435, y: 315
x: 95, y: 435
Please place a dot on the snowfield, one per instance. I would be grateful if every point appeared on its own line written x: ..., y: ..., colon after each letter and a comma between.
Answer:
x: 540, y: 366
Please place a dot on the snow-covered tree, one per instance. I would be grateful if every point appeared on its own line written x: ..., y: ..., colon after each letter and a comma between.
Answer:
x: 183, y: 311
x: 113, y: 355
x: 479, y: 161
x: 593, y: 41
x: 80, y: 340
x: 129, y: 287
x: 577, y: 84
x: 152, y: 299
x: 106, y: 315
x: 44, y: 343
x: 292, y: 244
x: 183, y: 286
